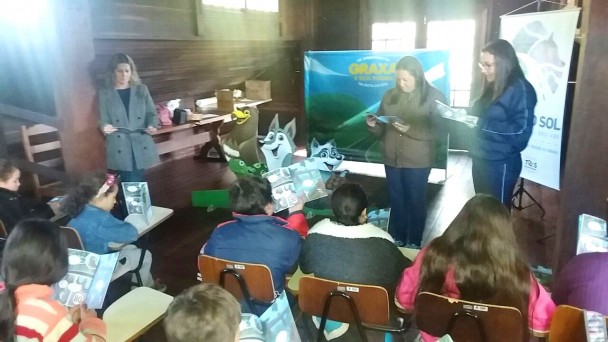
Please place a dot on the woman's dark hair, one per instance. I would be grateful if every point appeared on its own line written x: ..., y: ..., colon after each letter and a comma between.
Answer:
x: 507, y: 68
x: 414, y: 68
x: 250, y: 195
x: 480, y: 247
x: 35, y: 253
x: 348, y: 202
x: 6, y: 169
x: 120, y: 58
x: 84, y: 191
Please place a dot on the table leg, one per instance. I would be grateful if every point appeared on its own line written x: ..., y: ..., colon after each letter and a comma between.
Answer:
x: 213, y: 143
x: 143, y: 248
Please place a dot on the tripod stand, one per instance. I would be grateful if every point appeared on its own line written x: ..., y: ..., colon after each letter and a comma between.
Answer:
x: 518, y: 197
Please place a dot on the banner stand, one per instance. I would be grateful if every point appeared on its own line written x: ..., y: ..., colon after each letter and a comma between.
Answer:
x: 518, y: 196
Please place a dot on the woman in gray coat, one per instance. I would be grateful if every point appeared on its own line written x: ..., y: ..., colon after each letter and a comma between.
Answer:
x: 127, y: 117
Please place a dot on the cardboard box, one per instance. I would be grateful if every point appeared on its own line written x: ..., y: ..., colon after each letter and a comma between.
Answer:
x: 225, y: 100
x: 257, y: 90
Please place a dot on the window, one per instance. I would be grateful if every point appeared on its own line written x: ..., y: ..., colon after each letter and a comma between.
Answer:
x: 254, y: 5
x: 394, y: 36
x: 457, y: 36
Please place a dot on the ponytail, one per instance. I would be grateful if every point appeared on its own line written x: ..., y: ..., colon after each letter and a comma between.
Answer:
x: 86, y: 189
x: 7, y: 313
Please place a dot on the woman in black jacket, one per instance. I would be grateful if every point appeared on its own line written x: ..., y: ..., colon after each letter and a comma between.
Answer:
x: 13, y: 207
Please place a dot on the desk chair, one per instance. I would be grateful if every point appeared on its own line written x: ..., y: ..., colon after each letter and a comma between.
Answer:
x: 72, y: 237
x: 251, y: 282
x: 568, y: 324
x: 366, y: 306
x: 469, y: 321
x: 135, y: 313
x: 42, y: 146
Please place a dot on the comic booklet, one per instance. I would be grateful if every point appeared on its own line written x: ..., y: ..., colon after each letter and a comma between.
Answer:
x: 137, y: 198
x: 301, y: 180
x: 87, y: 280
x: 591, y: 235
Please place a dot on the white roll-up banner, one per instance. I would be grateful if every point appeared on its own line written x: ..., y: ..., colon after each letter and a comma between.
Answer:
x: 543, y: 42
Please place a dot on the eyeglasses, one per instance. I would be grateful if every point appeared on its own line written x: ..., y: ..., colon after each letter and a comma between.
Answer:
x: 486, y: 66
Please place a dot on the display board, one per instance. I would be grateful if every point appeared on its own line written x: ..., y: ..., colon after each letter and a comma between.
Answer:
x: 341, y: 87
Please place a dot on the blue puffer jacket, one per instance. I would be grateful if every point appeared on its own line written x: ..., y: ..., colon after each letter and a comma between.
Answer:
x: 505, y: 126
x: 259, y: 239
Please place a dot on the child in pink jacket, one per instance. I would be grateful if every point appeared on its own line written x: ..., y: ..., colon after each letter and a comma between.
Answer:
x: 478, y: 252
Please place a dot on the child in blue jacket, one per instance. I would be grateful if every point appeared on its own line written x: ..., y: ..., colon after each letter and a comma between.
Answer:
x: 89, y: 204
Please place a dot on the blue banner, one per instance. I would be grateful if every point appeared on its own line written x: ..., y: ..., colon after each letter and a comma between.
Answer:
x: 340, y: 87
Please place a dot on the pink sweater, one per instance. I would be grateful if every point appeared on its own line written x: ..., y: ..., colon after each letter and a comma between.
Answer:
x: 540, y: 305
x: 41, y: 318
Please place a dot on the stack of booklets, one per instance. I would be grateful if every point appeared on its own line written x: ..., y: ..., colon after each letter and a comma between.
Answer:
x: 87, y: 280
x: 591, y: 235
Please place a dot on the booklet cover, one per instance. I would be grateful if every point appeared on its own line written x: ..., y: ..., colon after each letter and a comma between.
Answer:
x: 386, y: 119
x: 301, y: 180
x: 591, y: 235
x: 88, y: 278
x: 137, y: 198
x: 459, y: 115
x: 595, y: 326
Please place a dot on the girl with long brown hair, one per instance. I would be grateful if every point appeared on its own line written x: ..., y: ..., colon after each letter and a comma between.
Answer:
x: 478, y: 259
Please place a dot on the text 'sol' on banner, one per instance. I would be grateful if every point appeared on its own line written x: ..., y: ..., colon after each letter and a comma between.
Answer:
x: 543, y: 42
x: 340, y: 87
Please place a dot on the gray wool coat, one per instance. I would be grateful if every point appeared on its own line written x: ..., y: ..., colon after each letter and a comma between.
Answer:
x: 131, y: 147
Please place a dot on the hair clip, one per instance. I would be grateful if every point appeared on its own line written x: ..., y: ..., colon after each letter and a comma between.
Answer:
x: 110, y: 180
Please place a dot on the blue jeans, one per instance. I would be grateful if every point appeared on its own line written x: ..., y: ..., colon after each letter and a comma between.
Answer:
x: 407, y: 190
x: 497, y: 177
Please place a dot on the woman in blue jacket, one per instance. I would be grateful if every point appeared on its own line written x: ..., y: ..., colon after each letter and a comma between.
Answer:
x: 506, y: 116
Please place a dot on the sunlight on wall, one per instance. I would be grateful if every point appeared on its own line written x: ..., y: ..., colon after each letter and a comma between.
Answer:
x: 394, y: 36
x: 23, y: 13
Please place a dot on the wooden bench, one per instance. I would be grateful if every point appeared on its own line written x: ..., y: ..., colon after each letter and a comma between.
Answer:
x: 178, y: 137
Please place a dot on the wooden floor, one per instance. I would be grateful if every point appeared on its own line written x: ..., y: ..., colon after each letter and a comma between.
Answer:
x: 176, y: 243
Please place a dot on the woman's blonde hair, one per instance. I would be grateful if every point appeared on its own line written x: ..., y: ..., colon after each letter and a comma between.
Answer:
x: 480, y: 247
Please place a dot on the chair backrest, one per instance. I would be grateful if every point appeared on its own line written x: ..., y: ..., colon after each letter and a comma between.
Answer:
x: 3, y: 232
x: 42, y: 146
x: 371, y: 302
x: 468, y: 321
x: 257, y: 277
x: 568, y: 324
x: 72, y: 237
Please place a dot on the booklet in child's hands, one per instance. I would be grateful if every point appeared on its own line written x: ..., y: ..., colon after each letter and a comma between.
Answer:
x: 137, y: 198
x: 591, y: 235
x: 300, y: 180
x: 87, y: 280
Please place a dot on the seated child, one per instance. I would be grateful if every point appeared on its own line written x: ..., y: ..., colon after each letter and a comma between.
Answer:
x: 13, y: 207
x: 255, y: 236
x: 89, y: 204
x: 36, y: 257
x: 203, y: 313
x: 478, y: 259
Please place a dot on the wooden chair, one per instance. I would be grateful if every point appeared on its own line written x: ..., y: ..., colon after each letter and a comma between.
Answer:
x: 568, y: 324
x: 3, y: 232
x: 42, y: 146
x: 366, y: 306
x: 469, y: 321
x: 135, y: 313
x: 72, y: 237
x: 251, y: 282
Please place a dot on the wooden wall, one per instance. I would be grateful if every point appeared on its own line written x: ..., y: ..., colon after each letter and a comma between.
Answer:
x: 585, y: 189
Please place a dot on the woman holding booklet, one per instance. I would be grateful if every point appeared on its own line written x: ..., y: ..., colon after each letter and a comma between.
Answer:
x: 408, y: 145
x: 127, y: 117
x: 506, y: 116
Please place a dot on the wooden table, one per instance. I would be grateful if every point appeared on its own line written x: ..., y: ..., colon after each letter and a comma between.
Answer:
x: 159, y: 215
x: 134, y: 313
x: 293, y: 286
